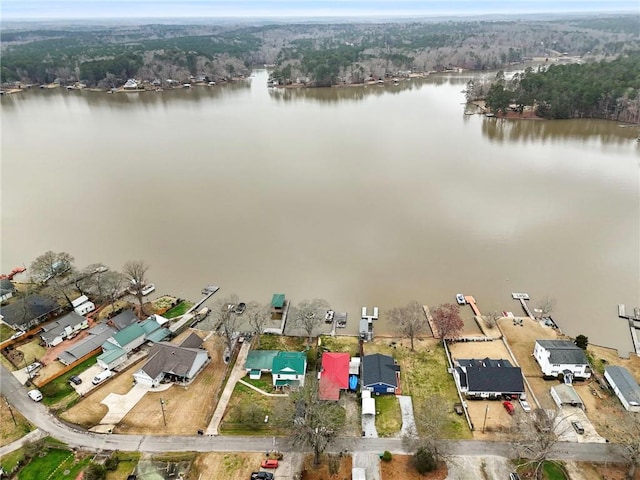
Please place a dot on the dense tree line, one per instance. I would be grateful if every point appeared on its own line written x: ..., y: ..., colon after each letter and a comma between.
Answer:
x: 605, y: 89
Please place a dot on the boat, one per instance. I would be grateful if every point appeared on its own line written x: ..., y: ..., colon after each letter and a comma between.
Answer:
x: 341, y: 320
x: 328, y: 317
x: 460, y: 299
x: 353, y: 382
x: 147, y: 289
x: 240, y: 308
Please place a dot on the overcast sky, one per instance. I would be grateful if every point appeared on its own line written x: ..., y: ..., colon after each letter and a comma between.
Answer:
x: 57, y: 9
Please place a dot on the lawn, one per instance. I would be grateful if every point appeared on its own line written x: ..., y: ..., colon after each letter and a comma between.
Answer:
x: 388, y: 415
x: 553, y: 471
x: 178, y: 310
x: 32, y: 351
x: 280, y: 342
x: 127, y: 462
x: 53, y: 464
x: 10, y: 460
x: 6, y: 332
x: 58, y: 392
x: 246, y: 412
x: 10, y: 430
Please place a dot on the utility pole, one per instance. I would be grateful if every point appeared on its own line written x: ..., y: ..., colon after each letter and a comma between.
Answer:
x: 164, y: 419
x: 485, y: 418
x: 14, y: 418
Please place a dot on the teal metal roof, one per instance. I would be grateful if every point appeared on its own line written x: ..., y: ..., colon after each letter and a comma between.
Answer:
x: 159, y: 335
x: 149, y: 325
x: 260, y: 359
x: 290, y: 363
x: 110, y: 355
x: 129, y: 334
x: 277, y: 301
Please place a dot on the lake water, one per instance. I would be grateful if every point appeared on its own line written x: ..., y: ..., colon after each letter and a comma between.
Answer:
x: 362, y: 196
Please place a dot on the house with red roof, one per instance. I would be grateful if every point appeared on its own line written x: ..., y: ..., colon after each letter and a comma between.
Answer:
x: 334, y: 375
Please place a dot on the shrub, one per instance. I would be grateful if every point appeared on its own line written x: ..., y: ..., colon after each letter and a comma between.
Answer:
x: 95, y: 472
x: 386, y: 456
x: 424, y: 461
x: 112, y: 462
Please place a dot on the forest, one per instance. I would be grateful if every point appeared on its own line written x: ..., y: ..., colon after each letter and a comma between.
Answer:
x: 318, y: 55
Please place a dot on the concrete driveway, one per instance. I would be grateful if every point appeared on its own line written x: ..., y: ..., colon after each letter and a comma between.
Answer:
x: 481, y: 467
x: 370, y: 462
x: 566, y: 432
x: 369, y: 426
x: 408, y: 420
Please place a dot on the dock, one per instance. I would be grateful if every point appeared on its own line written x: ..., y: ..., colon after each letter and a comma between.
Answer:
x: 634, y: 325
x: 472, y: 303
x: 522, y: 297
x: 427, y: 313
x: 189, y: 318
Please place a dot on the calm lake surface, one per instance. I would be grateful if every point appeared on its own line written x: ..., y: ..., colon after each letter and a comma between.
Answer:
x: 362, y: 196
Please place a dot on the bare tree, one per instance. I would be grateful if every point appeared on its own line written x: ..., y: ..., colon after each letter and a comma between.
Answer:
x: 313, y: 423
x: 446, y: 318
x: 259, y: 315
x: 308, y: 314
x: 50, y: 267
x: 226, y: 320
x: 546, y: 305
x: 410, y: 319
x: 112, y: 284
x: 136, y: 270
x: 89, y: 280
x: 539, y: 433
x: 431, y: 417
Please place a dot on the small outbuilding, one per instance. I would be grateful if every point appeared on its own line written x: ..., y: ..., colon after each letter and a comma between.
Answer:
x: 625, y: 386
x: 565, y: 395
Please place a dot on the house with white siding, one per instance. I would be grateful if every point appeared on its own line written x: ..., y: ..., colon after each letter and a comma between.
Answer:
x: 561, y: 358
x: 173, y: 363
x: 53, y: 333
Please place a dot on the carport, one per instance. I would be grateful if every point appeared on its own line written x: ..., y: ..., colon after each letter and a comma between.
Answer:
x: 566, y: 395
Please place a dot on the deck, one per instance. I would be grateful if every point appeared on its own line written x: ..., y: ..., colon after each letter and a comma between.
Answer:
x: 472, y: 303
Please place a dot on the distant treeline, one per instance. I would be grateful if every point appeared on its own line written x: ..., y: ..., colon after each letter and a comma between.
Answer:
x: 605, y: 89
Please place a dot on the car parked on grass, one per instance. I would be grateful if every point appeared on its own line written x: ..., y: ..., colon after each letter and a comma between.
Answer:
x: 76, y: 380
x: 33, y: 367
x: 262, y: 476
x: 508, y: 406
x: 269, y: 463
x: 35, y: 395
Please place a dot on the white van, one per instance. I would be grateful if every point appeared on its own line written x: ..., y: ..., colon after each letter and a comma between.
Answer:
x: 102, y: 376
x: 35, y: 395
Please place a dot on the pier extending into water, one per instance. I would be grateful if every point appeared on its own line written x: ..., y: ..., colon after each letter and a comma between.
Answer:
x: 634, y: 325
x: 522, y: 297
x: 472, y: 303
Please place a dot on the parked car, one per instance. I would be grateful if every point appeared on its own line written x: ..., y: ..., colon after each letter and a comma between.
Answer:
x: 76, y: 380
x: 269, y: 463
x: 525, y: 405
x: 240, y: 308
x: 101, y: 377
x: 577, y: 426
x: 508, y: 406
x: 457, y: 407
x: 35, y: 395
x: 17, y: 335
x: 33, y: 367
x: 514, y: 476
x: 262, y: 476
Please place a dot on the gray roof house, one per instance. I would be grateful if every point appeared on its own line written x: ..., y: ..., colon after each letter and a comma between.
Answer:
x: 625, y: 386
x: 6, y: 289
x: 561, y: 358
x: 97, y: 336
x: 29, y: 311
x: 55, y: 332
x: 168, y: 361
x: 380, y: 373
x: 123, y: 320
x: 488, y: 378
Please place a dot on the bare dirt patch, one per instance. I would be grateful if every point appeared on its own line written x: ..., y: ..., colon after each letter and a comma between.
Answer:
x: 401, y: 467
x: 10, y: 431
x: 227, y: 466
x: 186, y: 409
x: 321, y: 472
x: 89, y: 411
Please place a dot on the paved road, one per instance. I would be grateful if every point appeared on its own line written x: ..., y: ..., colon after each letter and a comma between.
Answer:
x: 37, y: 414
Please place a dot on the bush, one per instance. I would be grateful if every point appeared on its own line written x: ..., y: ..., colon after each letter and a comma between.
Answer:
x: 112, y: 462
x: 386, y: 456
x: 95, y: 472
x: 424, y: 461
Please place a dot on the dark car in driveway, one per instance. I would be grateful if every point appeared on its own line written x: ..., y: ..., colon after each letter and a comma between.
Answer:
x: 262, y: 476
x: 76, y: 380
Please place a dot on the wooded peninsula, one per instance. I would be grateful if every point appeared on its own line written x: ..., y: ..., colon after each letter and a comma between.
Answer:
x: 589, y: 64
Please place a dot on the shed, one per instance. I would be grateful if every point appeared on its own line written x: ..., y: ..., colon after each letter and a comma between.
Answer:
x: 368, y: 406
x: 625, y: 386
x: 564, y: 394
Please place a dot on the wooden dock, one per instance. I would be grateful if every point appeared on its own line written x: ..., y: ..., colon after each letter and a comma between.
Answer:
x: 522, y: 297
x: 434, y: 330
x: 472, y: 303
x: 634, y: 325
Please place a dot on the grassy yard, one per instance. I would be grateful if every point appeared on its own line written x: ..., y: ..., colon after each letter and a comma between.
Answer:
x: 127, y: 463
x: 388, y: 415
x: 5, y: 332
x: 10, y: 430
x: 10, y: 460
x: 59, y: 393
x: 32, y: 351
x: 246, y: 412
x: 54, y: 464
x: 265, y: 382
x: 280, y: 342
x: 340, y: 344
x: 553, y: 471
x: 178, y: 310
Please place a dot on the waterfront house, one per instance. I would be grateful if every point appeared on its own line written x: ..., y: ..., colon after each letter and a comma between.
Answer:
x: 334, y: 375
x: 289, y: 368
x: 89, y: 345
x: 129, y: 338
x: 82, y: 305
x: 173, y: 363
x: 259, y: 361
x: 625, y: 386
x: 561, y: 358
x: 123, y: 320
x: 29, y: 311
x: 55, y: 332
x: 380, y: 374
x: 117, y: 348
x: 488, y: 378
x: 6, y: 290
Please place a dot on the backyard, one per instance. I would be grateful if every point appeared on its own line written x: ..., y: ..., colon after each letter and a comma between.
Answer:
x: 12, y: 424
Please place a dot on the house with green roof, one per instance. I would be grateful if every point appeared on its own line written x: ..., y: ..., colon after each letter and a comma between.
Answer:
x: 288, y: 368
x: 111, y: 356
x: 129, y: 338
x: 259, y: 361
x: 117, y: 348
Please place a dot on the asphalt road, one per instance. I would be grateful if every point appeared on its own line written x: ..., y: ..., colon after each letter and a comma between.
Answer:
x: 37, y: 414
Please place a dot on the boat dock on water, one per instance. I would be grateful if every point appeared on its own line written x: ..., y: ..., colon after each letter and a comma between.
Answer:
x: 634, y: 325
x: 522, y: 297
